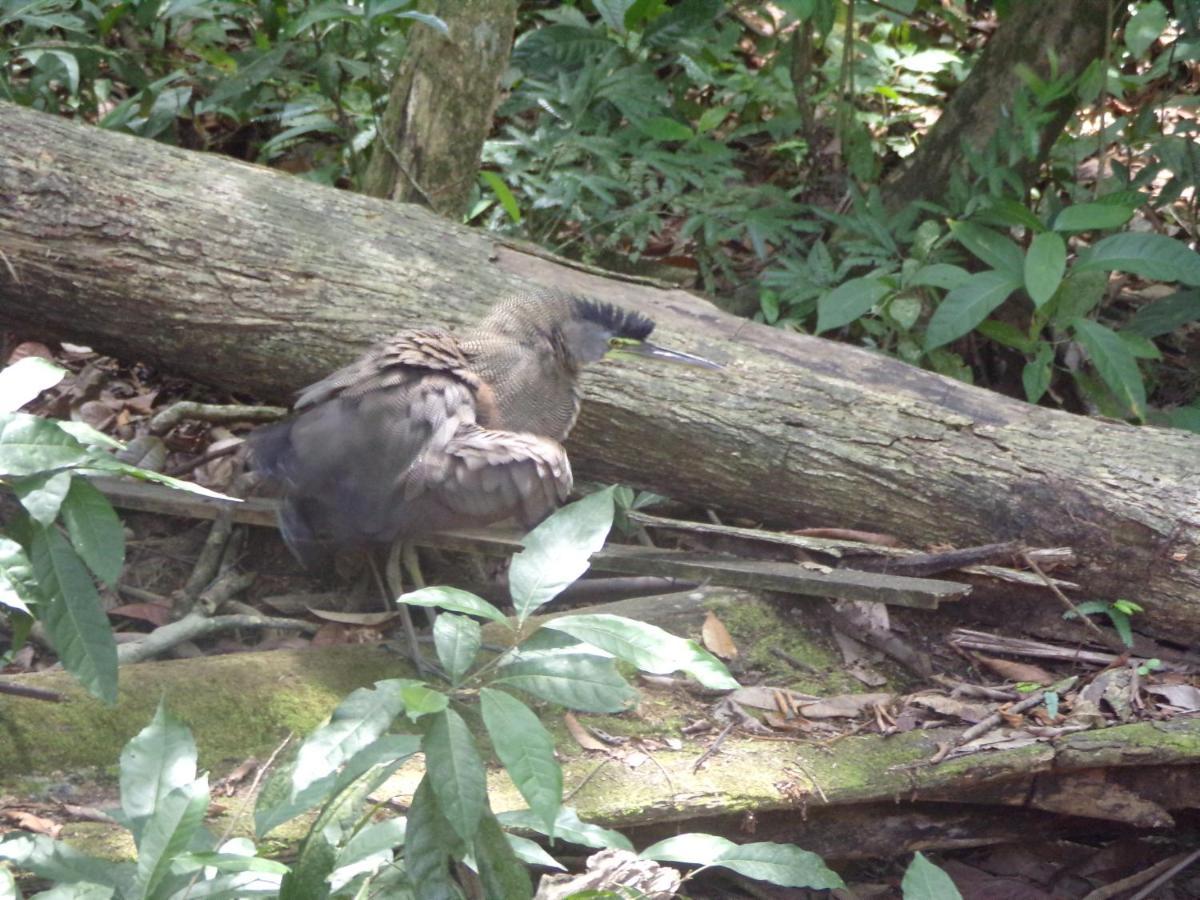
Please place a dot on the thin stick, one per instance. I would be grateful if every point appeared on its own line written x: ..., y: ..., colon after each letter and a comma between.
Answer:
x: 1108, y: 640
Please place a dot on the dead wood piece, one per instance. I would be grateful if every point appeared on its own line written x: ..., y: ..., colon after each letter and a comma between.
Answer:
x: 1109, y: 640
x: 992, y: 643
x: 996, y: 718
x: 884, y: 641
x: 922, y: 564
x: 31, y: 693
x: 193, y: 626
x: 617, y: 871
x: 1157, y: 875
x: 164, y: 421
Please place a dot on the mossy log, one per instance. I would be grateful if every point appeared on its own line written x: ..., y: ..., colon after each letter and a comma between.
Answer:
x: 260, y: 282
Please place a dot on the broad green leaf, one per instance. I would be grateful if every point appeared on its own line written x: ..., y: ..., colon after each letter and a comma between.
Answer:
x: 369, y: 843
x: 108, y: 464
x: 457, y: 640
x: 1006, y: 335
x: 95, y: 530
x: 30, y: 445
x: 575, y: 680
x: 613, y: 13
x: 1140, y: 347
x: 503, y: 194
x: 420, y: 700
x: 358, y: 720
x: 18, y: 588
x: 25, y: 379
x: 1165, y: 315
x: 1081, y: 292
x: 556, y: 553
x: 160, y: 758
x: 1114, y: 362
x: 1152, y: 256
x: 1010, y: 213
x: 456, y: 770
x: 42, y: 495
x: 905, y: 311
x: 939, y: 275
x: 234, y: 862
x: 648, y: 647
x: 531, y: 853
x: 276, y: 805
x: 500, y: 871
x: 454, y: 600
x: 89, y: 436
x: 429, y: 845
x: 1148, y: 21
x: 569, y: 827
x: 849, y: 301
x: 1045, y: 264
x: 1092, y: 217
x: 429, y: 19
x: 337, y: 820
x: 169, y: 831
x: 8, y: 885
x: 526, y: 749
x: 1185, y: 417
x: 60, y: 863
x: 782, y: 864
x: 1036, y: 375
x: 968, y: 305
x: 995, y: 249
x: 925, y: 881
x: 693, y: 848
x: 74, y: 620
x: 664, y: 128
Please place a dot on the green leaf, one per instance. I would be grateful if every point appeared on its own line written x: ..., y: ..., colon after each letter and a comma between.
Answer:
x: 663, y: 128
x: 373, y: 841
x: 569, y: 827
x: 1152, y: 256
x: 1006, y: 335
x: 31, y: 445
x: 939, y: 275
x: 648, y: 647
x: 613, y: 13
x: 556, y: 553
x: 503, y: 194
x: 1080, y: 293
x: 1140, y: 347
x: 526, y: 749
x: 169, y: 831
x: 1092, y: 217
x: 993, y: 248
x: 1045, y: 264
x: 159, y: 759
x: 968, y: 305
x: 500, y: 872
x: 74, y: 620
x: 95, y: 530
x: 905, y: 311
x: 18, y: 588
x: 429, y: 845
x: 456, y: 770
x: 1185, y: 417
x: 1114, y: 362
x: 1165, y: 315
x: 782, y: 864
x: 1148, y: 21
x: 60, y: 863
x: 358, y: 720
x: 848, y: 301
x: 1122, y: 626
x: 532, y: 854
x: 1036, y: 375
x: 112, y: 465
x: 276, y: 803
x: 420, y: 700
x: 925, y: 881
x: 576, y: 680
x: 454, y: 600
x: 25, y: 379
x: 457, y: 640
x: 693, y: 848
x: 42, y: 495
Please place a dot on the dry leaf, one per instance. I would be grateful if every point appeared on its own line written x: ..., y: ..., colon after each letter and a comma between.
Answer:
x: 582, y: 736
x: 844, y: 706
x: 1015, y: 671
x: 952, y: 707
x: 716, y: 637
x: 1183, y: 696
x: 154, y: 613
x: 367, y: 620
x: 27, y: 821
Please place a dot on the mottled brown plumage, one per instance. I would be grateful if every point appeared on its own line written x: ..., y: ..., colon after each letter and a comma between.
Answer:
x: 429, y: 430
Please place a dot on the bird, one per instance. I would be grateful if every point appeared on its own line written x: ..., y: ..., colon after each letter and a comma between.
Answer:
x: 429, y: 431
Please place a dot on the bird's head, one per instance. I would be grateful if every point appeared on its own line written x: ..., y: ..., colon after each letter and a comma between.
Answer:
x: 593, y: 330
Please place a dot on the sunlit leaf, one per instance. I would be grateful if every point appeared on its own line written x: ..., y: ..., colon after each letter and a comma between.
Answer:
x: 526, y: 749
x: 968, y: 305
x: 925, y: 881
x: 456, y: 772
x: 1045, y: 264
x: 1115, y: 363
x: 25, y: 379
x: 849, y: 301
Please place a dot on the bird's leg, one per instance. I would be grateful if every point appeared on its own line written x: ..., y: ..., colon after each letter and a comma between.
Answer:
x: 412, y: 565
x: 392, y: 586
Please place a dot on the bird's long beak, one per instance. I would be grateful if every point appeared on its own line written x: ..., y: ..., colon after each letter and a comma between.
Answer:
x: 653, y: 351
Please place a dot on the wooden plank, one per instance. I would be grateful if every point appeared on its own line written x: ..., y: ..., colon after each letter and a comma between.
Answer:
x: 791, y: 578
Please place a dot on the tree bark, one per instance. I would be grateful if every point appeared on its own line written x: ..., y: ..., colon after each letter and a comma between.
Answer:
x: 440, y: 108
x: 261, y: 283
x: 1075, y: 30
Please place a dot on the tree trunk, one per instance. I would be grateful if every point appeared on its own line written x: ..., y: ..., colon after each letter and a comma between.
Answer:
x: 260, y: 282
x: 1076, y: 32
x: 440, y: 108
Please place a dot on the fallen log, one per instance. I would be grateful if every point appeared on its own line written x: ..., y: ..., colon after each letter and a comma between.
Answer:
x: 261, y: 282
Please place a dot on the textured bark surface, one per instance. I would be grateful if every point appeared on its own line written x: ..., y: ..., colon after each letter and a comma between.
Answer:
x: 261, y: 283
x: 1073, y: 30
x: 440, y: 107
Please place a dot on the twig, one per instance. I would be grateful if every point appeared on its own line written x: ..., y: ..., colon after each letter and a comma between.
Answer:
x: 31, y: 693
x: 1113, y: 643
x: 985, y: 725
x: 1157, y: 874
x: 212, y: 412
x: 800, y: 664
x: 714, y: 746
x: 184, y: 467
x: 193, y: 626
x: 588, y: 777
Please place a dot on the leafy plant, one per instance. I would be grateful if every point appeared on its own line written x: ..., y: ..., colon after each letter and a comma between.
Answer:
x: 1119, y: 612
x: 67, y: 535
x: 570, y: 660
